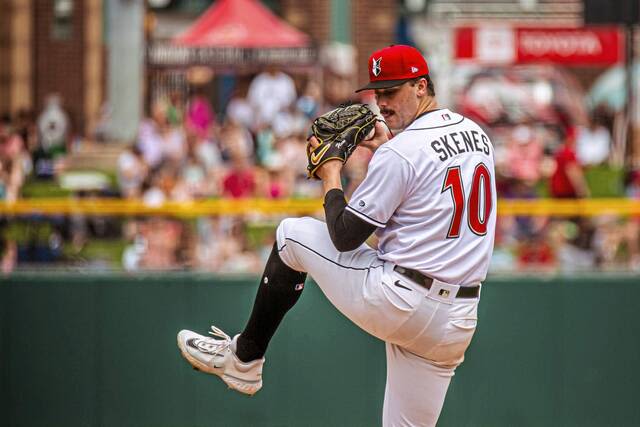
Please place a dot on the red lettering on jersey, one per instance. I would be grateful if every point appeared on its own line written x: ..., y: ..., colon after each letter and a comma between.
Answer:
x: 480, y: 186
x: 481, y: 177
x: 453, y: 181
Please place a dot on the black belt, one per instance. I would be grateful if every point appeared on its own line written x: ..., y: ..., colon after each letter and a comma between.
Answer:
x: 416, y: 276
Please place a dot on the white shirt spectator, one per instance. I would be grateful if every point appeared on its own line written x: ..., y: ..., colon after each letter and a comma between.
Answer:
x: 208, y: 153
x: 150, y: 143
x: 239, y: 110
x: 174, y: 147
x: 156, y: 146
x: 53, y: 123
x: 269, y: 93
x: 593, y: 145
x: 131, y: 173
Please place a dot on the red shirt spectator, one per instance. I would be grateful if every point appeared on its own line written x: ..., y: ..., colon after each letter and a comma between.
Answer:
x: 567, y: 181
x: 239, y: 183
x: 561, y: 185
x: 535, y: 254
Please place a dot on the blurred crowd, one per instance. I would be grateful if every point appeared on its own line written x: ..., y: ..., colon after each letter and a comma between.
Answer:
x: 255, y: 147
x: 569, y: 163
x: 32, y: 146
x: 549, y: 145
x: 185, y: 152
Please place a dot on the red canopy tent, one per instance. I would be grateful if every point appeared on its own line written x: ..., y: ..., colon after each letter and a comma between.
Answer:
x: 232, y: 36
x: 235, y: 34
x: 243, y: 24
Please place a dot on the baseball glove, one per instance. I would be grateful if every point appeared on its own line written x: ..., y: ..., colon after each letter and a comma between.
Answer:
x: 339, y: 132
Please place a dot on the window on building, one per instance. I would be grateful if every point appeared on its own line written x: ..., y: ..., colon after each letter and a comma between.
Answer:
x: 62, y: 28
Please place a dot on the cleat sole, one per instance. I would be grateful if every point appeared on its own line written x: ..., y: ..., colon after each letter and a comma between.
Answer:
x: 232, y: 383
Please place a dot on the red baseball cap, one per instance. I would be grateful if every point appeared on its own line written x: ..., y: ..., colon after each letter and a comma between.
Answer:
x: 395, y: 65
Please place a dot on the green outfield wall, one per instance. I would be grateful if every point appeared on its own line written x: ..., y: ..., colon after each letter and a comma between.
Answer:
x: 99, y: 350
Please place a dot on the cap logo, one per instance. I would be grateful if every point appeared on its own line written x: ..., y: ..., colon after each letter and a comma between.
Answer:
x: 375, y: 67
x: 414, y: 69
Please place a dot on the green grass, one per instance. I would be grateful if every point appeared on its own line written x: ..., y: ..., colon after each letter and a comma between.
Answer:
x: 36, y: 189
x: 108, y: 251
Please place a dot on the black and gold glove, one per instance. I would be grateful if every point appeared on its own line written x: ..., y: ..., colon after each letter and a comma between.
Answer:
x: 339, y: 132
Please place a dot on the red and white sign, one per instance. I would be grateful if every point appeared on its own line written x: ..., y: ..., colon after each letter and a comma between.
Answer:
x: 597, y: 46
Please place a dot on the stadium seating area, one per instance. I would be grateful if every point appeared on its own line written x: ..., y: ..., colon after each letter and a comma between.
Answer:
x: 254, y: 149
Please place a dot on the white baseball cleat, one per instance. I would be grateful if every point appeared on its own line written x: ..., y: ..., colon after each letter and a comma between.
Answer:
x: 216, y: 356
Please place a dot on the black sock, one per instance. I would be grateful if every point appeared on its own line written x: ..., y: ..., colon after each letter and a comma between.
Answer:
x: 280, y: 287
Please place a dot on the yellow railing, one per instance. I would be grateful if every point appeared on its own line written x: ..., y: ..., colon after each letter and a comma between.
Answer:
x: 102, y: 206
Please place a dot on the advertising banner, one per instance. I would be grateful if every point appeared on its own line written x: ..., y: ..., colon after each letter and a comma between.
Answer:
x: 588, y: 46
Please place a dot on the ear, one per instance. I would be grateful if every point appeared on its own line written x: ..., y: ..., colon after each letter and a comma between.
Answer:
x: 422, y: 88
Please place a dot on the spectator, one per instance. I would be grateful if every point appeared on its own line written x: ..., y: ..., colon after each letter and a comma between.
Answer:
x: 272, y: 180
x: 293, y: 155
x: 163, y: 238
x: 175, y: 109
x: 574, y: 250
x: 158, y: 140
x: 133, y: 253
x: 593, y: 144
x: 239, y: 112
x: 222, y: 246
x: 535, y: 253
x: 200, y: 117
x: 234, y: 251
x: 234, y: 137
x: 53, y: 131
x: 521, y: 168
x: 265, y: 141
x: 269, y: 93
x: 13, y: 160
x: 160, y: 184
x: 208, y: 243
x: 131, y: 172
x: 193, y: 182
x: 524, y: 156
x: 607, y: 239
x: 310, y: 101
x: 239, y: 182
x: 53, y: 123
x: 205, y: 151
x: 568, y: 181
x: 290, y: 122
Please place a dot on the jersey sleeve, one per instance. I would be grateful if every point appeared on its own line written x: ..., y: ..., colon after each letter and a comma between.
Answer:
x: 386, y: 185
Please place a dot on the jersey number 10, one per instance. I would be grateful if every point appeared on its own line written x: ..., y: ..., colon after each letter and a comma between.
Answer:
x: 478, y: 213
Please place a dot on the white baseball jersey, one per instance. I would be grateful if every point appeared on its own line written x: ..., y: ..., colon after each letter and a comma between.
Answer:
x: 431, y: 191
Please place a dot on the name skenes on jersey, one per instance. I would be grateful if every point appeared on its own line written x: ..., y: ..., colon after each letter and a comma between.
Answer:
x: 431, y: 191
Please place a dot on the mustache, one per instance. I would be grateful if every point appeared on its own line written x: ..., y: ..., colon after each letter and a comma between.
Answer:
x: 386, y: 111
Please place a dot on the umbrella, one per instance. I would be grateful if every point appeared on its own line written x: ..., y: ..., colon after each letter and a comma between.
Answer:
x: 610, y: 88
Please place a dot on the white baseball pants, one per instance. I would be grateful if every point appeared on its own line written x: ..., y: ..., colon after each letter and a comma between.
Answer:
x: 426, y: 334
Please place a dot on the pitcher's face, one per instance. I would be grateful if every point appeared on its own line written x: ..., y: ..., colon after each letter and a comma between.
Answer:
x: 399, y: 104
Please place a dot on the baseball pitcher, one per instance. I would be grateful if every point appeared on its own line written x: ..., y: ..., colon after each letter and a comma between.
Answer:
x: 429, y: 196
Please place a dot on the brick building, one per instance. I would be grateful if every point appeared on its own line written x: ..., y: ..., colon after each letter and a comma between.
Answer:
x: 52, y: 47
x: 372, y: 24
x: 58, y: 46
